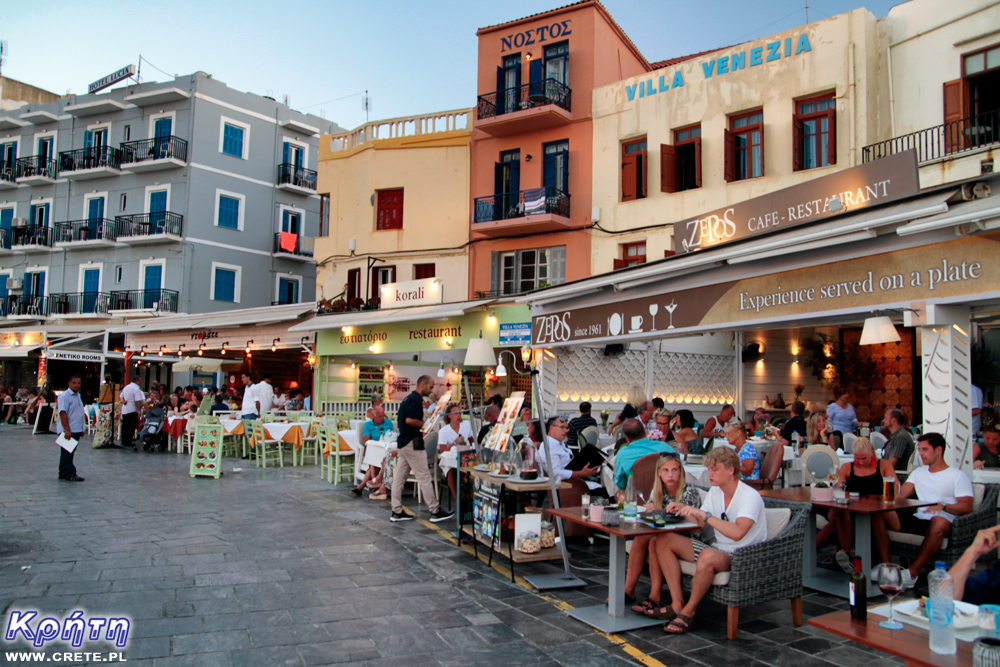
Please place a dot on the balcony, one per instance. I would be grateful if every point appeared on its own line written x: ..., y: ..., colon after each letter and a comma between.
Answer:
x: 24, y: 306
x: 149, y: 228
x: 153, y: 154
x: 100, y: 107
x: 942, y: 141
x: 35, y: 170
x: 8, y: 176
x: 31, y: 239
x: 295, y: 247
x: 87, y: 163
x: 79, y: 304
x: 526, y: 108
x: 296, y: 179
x: 78, y: 234
x: 144, y: 301
x: 523, y: 212
x: 6, y: 242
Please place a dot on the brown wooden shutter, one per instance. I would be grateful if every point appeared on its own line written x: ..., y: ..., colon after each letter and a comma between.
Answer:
x: 642, y: 172
x: 796, y: 143
x: 628, y: 177
x: 763, y: 146
x: 353, y: 284
x: 730, y: 148
x: 620, y: 263
x: 668, y: 253
x: 668, y: 168
x: 697, y: 162
x: 831, y: 137
x: 954, y: 112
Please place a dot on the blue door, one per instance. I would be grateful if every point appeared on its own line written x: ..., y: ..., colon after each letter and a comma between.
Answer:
x: 4, y: 310
x: 95, y: 218
x: 157, y: 211
x: 162, y: 129
x: 34, y: 293
x: 6, y: 218
x: 152, y: 281
x: 38, y: 225
x: 288, y: 290
x: 91, y: 288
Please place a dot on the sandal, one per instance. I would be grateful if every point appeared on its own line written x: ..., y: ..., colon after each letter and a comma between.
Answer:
x: 662, y: 613
x: 682, y: 623
x: 645, y: 606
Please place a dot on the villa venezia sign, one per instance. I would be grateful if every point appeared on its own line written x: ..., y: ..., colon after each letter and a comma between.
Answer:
x: 848, y: 191
x: 412, y: 293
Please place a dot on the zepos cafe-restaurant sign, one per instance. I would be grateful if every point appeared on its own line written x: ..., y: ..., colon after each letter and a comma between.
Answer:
x: 424, y: 292
x: 961, y: 268
x: 871, y: 184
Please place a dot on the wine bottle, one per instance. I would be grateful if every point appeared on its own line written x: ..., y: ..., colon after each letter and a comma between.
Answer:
x: 859, y: 592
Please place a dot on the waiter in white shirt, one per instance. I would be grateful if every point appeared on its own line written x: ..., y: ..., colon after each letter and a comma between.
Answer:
x: 132, y: 399
x: 265, y: 394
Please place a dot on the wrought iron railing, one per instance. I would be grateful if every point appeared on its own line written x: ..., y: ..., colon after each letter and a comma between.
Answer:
x: 303, y: 246
x: 158, y: 148
x: 35, y: 165
x: 6, y: 239
x: 510, y: 205
x: 147, y: 224
x: 162, y: 300
x: 8, y: 171
x: 498, y: 293
x: 90, y: 158
x: 290, y: 174
x: 79, y: 303
x: 957, y: 136
x: 24, y: 304
x: 96, y: 229
x: 526, y: 96
x: 31, y: 235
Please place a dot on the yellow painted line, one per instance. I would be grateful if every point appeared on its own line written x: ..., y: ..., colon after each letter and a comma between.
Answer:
x: 557, y: 603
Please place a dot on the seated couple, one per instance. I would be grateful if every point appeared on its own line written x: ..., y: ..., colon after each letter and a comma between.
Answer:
x: 566, y: 463
x: 731, y: 516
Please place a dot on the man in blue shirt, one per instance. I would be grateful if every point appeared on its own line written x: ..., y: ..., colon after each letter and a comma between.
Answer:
x: 373, y: 429
x: 638, y: 446
x: 73, y: 422
x: 984, y: 588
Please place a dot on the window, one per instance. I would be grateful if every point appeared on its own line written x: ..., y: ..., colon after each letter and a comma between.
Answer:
x: 122, y: 202
x: 509, y: 84
x: 151, y: 282
x: 633, y: 254
x: 39, y: 215
x: 96, y: 137
x: 381, y: 275
x: 291, y: 220
x: 680, y: 164
x: 353, y: 284
x: 557, y: 63
x: 34, y: 282
x: 46, y: 148
x: 972, y: 103
x: 288, y: 290
x: 229, y: 210
x: 423, y: 271
x: 814, y: 133
x: 507, y: 185
x: 293, y: 153
x: 226, y: 282
x: 634, y: 169
x: 8, y: 153
x: 745, y: 147
x: 118, y: 275
x: 390, y: 209
x: 525, y: 270
x: 555, y: 170
x: 127, y: 133
x: 234, y: 138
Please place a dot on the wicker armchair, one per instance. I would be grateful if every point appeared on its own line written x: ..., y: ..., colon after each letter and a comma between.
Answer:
x: 771, y: 570
x: 963, y: 530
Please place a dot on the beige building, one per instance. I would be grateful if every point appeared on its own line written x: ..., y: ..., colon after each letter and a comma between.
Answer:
x: 704, y: 132
x: 399, y: 203
x: 14, y: 94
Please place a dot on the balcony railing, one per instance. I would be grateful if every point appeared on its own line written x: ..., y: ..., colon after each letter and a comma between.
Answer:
x: 8, y: 171
x: 24, y: 304
x: 148, y: 224
x: 952, y: 138
x: 31, y: 235
x: 97, y: 229
x: 520, y: 204
x: 6, y: 238
x: 289, y: 174
x: 36, y: 165
x: 526, y: 96
x: 90, y: 158
x: 405, y: 126
x: 287, y: 247
x: 79, y: 303
x: 161, y: 300
x: 159, y: 148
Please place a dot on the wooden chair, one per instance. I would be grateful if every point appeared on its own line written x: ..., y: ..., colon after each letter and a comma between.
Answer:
x: 644, y: 474
x: 339, y: 450
x: 311, y: 443
x: 770, y: 468
x: 266, y: 448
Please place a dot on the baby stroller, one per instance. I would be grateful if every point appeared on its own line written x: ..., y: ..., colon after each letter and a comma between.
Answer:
x: 152, y: 437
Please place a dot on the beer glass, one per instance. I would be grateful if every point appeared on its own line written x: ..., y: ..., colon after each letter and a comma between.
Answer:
x: 888, y: 489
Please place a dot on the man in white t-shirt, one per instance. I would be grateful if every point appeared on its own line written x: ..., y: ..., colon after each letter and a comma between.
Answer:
x: 734, y: 511
x: 949, y: 487
x: 251, y: 399
x: 265, y: 394
x: 132, y: 399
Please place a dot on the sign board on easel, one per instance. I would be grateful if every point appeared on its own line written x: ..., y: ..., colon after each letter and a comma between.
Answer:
x: 501, y: 432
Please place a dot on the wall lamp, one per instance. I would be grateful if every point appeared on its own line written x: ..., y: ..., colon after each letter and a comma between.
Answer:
x: 201, y: 349
x: 162, y: 348
x: 274, y: 344
x: 142, y: 352
x: 224, y: 347
x: 249, y: 343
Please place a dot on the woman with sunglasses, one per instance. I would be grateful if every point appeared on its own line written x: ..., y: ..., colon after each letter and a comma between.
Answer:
x: 670, y: 486
x: 864, y: 475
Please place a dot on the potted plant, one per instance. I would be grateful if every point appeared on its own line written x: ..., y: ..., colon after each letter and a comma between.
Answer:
x: 822, y: 492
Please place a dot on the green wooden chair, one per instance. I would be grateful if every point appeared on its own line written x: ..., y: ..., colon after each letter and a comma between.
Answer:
x: 265, y: 448
x: 311, y: 443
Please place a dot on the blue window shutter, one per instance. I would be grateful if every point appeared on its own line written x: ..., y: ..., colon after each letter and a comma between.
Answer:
x: 500, y: 97
x: 88, y: 139
x: 549, y: 172
x: 295, y: 291
x: 284, y: 153
x: 41, y: 283
x: 229, y: 212
x: 286, y: 221
x: 96, y: 209
x: 535, y: 77
x: 232, y: 143
x: 162, y: 127
x: 225, y: 285
x: 565, y: 170
x: 515, y: 176
x: 152, y: 277
x: 6, y: 218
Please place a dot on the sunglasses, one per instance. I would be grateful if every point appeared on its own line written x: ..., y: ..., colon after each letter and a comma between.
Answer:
x: 724, y: 517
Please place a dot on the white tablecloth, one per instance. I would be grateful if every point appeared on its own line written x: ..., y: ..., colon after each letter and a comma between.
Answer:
x: 276, y: 431
x: 229, y: 425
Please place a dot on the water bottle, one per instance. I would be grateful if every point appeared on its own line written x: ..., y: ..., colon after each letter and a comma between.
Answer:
x: 941, y: 607
x: 630, y: 501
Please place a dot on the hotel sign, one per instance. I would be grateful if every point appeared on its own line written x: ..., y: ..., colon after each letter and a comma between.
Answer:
x: 111, y: 79
x: 848, y: 191
x: 426, y: 292
x: 90, y: 357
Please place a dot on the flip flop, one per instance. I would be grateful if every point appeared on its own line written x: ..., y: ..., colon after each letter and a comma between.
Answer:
x: 645, y: 606
x: 662, y: 613
x: 683, y: 624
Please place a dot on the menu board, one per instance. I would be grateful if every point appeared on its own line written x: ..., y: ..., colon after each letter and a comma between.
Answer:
x: 486, y: 507
x: 430, y: 421
x: 500, y: 434
x: 206, y: 455
x: 466, y: 491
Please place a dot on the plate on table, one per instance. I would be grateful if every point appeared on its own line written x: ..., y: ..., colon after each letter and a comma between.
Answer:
x: 481, y: 467
x: 966, y: 615
x: 537, y: 480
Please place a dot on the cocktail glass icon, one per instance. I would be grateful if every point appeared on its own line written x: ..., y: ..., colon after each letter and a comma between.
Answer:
x: 671, y: 307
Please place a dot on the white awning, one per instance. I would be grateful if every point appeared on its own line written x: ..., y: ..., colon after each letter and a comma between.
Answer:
x: 91, y: 342
x: 375, y: 317
x: 223, y: 319
x: 200, y: 365
x: 16, y: 351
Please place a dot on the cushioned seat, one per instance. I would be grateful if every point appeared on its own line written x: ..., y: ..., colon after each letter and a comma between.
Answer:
x: 963, y: 529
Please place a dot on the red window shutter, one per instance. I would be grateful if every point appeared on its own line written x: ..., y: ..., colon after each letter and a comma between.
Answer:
x: 642, y: 173
x: 954, y: 112
x: 620, y: 263
x: 730, y: 147
x: 831, y: 137
x: 353, y: 284
x: 628, y: 177
x: 668, y: 168
x: 796, y: 143
x: 423, y: 271
x: 697, y: 162
x: 390, y: 209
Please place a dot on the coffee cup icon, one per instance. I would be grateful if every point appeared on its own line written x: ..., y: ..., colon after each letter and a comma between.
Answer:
x: 636, y: 322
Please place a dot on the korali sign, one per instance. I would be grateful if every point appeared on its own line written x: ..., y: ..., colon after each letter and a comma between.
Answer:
x: 425, y: 292
x: 111, y: 79
x: 848, y: 191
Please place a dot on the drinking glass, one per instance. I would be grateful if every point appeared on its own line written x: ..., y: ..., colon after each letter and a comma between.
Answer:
x: 889, y: 578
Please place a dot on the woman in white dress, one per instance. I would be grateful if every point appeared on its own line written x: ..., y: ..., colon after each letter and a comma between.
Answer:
x: 454, y: 434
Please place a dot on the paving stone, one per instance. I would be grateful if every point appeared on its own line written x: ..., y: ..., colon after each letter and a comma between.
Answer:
x: 347, y: 650
x: 209, y: 642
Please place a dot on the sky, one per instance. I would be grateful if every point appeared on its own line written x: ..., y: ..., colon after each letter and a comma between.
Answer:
x: 412, y: 57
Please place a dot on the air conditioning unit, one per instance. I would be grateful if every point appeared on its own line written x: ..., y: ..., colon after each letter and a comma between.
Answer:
x: 13, y: 283
x: 19, y: 222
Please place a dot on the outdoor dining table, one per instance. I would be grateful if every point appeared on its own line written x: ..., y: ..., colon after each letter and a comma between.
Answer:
x: 175, y: 429
x: 861, y: 509
x: 292, y: 434
x: 614, y: 617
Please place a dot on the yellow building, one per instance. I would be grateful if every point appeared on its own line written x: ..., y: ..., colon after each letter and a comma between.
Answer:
x: 399, y: 206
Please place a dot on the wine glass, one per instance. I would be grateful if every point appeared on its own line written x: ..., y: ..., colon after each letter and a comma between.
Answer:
x: 889, y: 578
x: 653, y: 309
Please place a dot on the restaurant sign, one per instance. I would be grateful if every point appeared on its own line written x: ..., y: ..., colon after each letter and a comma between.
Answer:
x: 848, y: 191
x: 964, y: 267
x: 68, y: 355
x: 426, y: 292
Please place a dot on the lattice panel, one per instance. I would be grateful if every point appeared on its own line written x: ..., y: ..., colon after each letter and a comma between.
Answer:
x: 548, y: 376
x: 892, y: 386
x: 947, y: 389
x: 585, y: 374
x: 694, y: 378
